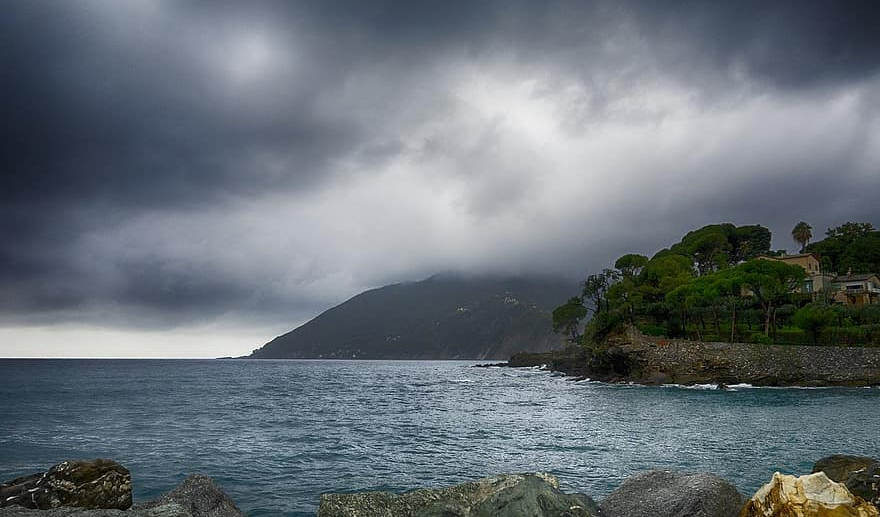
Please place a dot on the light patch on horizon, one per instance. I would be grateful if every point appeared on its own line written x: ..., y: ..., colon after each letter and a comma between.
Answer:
x: 106, y: 343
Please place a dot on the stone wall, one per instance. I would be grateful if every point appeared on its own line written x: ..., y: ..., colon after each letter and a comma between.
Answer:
x: 657, y: 360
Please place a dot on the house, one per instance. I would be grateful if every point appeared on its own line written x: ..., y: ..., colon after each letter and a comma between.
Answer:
x: 849, y: 289
x: 861, y: 289
x: 816, y: 281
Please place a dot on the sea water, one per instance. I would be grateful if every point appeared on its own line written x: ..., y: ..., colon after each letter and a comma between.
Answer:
x: 277, y: 434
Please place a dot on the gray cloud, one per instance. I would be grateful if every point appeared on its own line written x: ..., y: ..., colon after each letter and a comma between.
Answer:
x: 168, y: 164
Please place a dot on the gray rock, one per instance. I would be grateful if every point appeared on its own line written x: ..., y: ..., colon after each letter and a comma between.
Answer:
x: 199, y: 496
x: 839, y: 466
x: 165, y: 510
x: 87, y: 484
x: 533, y: 495
x: 673, y: 494
x: 865, y: 483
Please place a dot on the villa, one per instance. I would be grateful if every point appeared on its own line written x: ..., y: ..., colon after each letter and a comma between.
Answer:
x: 849, y: 289
x: 863, y: 289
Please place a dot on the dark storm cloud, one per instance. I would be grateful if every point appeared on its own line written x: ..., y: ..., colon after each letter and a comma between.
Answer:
x: 166, y: 162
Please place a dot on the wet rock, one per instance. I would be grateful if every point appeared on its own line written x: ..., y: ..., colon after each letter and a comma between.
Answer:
x: 533, y: 495
x: 814, y: 495
x: 86, y: 484
x: 838, y: 467
x: 673, y: 494
x: 200, y: 496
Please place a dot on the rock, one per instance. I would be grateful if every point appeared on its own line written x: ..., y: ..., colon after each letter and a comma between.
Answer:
x: 865, y: 483
x: 659, y: 493
x: 839, y: 466
x: 533, y: 495
x: 200, y: 496
x: 87, y: 484
x: 814, y: 495
x: 165, y: 510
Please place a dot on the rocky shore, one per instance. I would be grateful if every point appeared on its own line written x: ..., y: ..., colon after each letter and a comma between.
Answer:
x: 839, y: 486
x: 633, y: 357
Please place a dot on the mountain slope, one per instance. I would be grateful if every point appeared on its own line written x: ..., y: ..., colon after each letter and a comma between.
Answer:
x: 442, y: 317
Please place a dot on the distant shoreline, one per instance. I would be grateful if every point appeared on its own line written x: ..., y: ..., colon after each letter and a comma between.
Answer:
x: 632, y: 357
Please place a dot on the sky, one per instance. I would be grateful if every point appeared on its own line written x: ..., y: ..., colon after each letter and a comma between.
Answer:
x: 191, y: 179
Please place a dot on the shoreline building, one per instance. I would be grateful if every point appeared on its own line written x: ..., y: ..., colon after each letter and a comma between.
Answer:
x: 849, y: 289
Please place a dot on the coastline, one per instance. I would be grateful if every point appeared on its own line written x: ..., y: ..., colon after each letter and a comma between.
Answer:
x: 632, y: 357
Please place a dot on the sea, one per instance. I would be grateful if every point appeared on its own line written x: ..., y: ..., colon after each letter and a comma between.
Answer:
x: 277, y: 434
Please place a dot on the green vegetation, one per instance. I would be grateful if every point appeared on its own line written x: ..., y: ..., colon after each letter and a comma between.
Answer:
x: 567, y: 317
x: 850, y: 247
x: 802, y: 233
x: 712, y: 286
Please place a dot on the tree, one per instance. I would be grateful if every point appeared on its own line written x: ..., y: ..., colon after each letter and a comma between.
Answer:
x: 850, y: 231
x: 813, y: 318
x: 662, y: 274
x: 596, y: 286
x: 802, y: 233
x: 630, y: 265
x: 750, y: 241
x: 770, y: 282
x: 567, y: 317
x: 851, y: 246
x: 718, y: 246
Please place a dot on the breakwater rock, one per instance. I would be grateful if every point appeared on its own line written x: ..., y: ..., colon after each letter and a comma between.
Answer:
x: 633, y: 357
x: 813, y: 495
x: 648, y: 494
x: 102, y: 488
x: 86, y: 484
x: 659, y: 493
x: 534, y: 495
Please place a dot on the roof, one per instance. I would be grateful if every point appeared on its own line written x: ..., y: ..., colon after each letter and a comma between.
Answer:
x: 783, y: 257
x: 799, y: 255
x: 854, y: 278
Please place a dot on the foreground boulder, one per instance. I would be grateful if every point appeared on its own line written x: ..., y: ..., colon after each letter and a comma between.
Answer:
x: 86, y: 484
x: 814, y: 495
x: 659, y: 493
x: 533, y: 495
x: 200, y: 496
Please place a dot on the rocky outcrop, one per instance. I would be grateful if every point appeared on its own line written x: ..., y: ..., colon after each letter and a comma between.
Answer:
x: 535, y: 495
x: 200, y: 496
x: 814, y: 495
x: 673, y: 494
x: 630, y: 356
x: 86, y: 484
x: 571, y: 360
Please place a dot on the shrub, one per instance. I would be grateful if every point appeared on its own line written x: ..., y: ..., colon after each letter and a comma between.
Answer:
x: 813, y: 318
x: 602, y: 325
x: 652, y: 330
x: 760, y: 338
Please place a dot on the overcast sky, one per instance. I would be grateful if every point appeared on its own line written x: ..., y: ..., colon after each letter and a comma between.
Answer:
x: 194, y: 178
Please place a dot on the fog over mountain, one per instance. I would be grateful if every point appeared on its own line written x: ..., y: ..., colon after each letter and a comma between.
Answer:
x: 190, y: 179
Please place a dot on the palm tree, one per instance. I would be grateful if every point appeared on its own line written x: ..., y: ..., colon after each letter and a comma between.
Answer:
x: 802, y: 233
